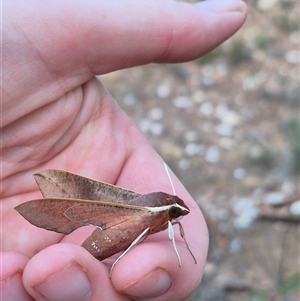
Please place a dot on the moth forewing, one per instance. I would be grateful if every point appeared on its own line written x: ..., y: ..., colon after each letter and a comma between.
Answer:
x: 55, y: 183
x: 104, y: 214
x: 48, y: 214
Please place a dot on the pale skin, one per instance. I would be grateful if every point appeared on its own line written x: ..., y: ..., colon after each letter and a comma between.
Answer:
x: 56, y: 114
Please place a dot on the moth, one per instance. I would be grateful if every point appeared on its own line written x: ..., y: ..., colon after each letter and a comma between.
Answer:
x: 122, y: 217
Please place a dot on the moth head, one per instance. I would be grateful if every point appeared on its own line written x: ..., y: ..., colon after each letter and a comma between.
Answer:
x: 176, y: 211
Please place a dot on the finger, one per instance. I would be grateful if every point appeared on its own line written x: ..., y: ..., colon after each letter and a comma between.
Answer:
x: 68, y: 272
x: 130, y: 32
x: 151, y: 270
x: 12, y: 266
x: 87, y: 38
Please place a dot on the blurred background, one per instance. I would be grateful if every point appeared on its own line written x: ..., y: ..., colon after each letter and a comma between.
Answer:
x: 228, y: 125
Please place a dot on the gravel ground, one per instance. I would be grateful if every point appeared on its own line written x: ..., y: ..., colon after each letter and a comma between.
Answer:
x: 228, y: 125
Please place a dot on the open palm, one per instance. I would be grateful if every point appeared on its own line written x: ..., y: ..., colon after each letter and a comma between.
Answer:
x: 57, y: 114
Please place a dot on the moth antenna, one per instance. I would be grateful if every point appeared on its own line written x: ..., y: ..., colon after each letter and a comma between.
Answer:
x: 169, y: 176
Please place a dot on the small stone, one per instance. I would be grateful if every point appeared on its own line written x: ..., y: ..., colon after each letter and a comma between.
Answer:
x: 274, y: 198
x: 163, y: 91
x: 156, y: 128
x: 295, y: 208
x: 226, y: 116
x: 226, y: 143
x: 191, y: 136
x: 246, y: 212
x: 210, y: 269
x: 193, y: 149
x: 288, y: 187
x: 170, y: 151
x: 179, y: 126
x: 259, y: 55
x: 221, y: 111
x: 266, y: 4
x: 156, y: 113
x: 182, y: 102
x: 292, y: 56
x: 207, y: 108
x: 129, y: 99
x: 145, y: 124
x: 294, y: 37
x: 212, y: 154
x: 224, y: 130
x: 235, y: 246
x: 252, y: 82
x: 239, y: 173
x: 255, y: 152
x: 223, y: 214
x: 198, y: 96
x: 184, y: 164
x: 208, y: 75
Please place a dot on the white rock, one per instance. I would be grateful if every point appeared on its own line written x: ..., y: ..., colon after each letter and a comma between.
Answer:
x: 221, y: 111
x: 252, y: 83
x: 208, y: 78
x: 226, y: 116
x: 145, y: 124
x: 274, y: 198
x: 294, y: 37
x: 235, y: 246
x: 239, y: 173
x: 157, y: 128
x: 266, y: 4
x: 191, y: 136
x: 193, y: 149
x: 212, y: 154
x: 198, y: 96
x: 182, y: 102
x: 129, y: 99
x: 288, y: 187
x: 295, y: 208
x: 292, y: 56
x: 226, y: 143
x: 163, y: 91
x: 207, y: 108
x: 156, y: 113
x: 184, y: 164
x: 224, y: 130
x: 246, y: 212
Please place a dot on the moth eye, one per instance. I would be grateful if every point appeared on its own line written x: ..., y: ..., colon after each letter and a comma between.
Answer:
x: 175, y: 212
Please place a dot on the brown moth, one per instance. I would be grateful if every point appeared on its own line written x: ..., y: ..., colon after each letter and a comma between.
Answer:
x: 123, y: 218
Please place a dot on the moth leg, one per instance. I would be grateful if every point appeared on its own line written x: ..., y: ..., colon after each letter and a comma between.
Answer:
x: 172, y: 237
x: 182, y: 234
x: 140, y: 238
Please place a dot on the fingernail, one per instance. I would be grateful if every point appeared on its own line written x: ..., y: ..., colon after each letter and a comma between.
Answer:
x: 70, y: 283
x: 151, y: 285
x: 222, y: 6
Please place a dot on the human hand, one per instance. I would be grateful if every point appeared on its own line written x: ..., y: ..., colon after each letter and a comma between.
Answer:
x: 56, y: 114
